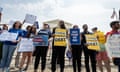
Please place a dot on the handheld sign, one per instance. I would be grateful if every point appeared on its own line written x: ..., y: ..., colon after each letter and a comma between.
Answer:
x: 36, y: 24
x: 26, y: 45
x: 92, y: 42
x: 60, y: 37
x: 30, y: 18
x: 40, y: 40
x: 1, y: 9
x: 113, y: 45
x: 75, y: 36
x: 7, y: 36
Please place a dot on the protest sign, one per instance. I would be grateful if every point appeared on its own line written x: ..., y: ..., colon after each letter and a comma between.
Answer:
x: 30, y: 18
x: 7, y: 36
x: 26, y: 45
x: 36, y: 24
x: 113, y: 45
x: 92, y: 42
x: 11, y: 22
x: 75, y: 36
x: 40, y: 40
x: 60, y: 37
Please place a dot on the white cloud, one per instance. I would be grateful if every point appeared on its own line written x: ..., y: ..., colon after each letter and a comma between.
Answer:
x: 92, y: 12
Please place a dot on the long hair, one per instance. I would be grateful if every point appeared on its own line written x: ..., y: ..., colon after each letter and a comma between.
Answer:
x: 16, y: 23
x: 62, y: 24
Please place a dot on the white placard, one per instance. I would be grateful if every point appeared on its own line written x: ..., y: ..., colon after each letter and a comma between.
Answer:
x: 30, y: 18
x: 11, y: 22
x: 113, y: 45
x: 26, y: 45
x: 7, y: 36
x: 1, y: 9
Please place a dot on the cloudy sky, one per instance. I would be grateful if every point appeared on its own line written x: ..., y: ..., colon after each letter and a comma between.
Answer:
x: 91, y: 12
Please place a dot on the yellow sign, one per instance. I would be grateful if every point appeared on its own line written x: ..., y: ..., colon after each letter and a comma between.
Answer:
x: 92, y: 42
x: 60, y: 37
x: 100, y: 36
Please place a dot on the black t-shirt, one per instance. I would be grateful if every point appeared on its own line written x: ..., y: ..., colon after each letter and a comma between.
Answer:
x: 83, y: 41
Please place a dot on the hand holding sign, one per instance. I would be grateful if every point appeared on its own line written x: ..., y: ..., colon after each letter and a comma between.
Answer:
x: 30, y: 18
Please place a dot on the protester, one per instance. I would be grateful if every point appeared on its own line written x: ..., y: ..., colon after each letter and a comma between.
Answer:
x: 59, y: 48
x: 102, y: 54
x: 89, y: 54
x: 115, y: 27
x: 76, y: 53
x: 10, y: 46
x: 4, y: 28
x: 41, y: 51
x: 27, y: 54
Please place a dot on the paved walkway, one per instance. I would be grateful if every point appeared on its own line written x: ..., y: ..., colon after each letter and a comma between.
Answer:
x: 68, y: 66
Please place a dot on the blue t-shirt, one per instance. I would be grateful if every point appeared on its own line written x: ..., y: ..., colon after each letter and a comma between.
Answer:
x: 24, y: 33
x: 12, y: 30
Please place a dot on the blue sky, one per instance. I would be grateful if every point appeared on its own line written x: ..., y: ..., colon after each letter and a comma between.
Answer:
x: 92, y: 12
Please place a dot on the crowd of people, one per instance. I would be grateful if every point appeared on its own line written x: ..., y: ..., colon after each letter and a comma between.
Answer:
x: 8, y: 48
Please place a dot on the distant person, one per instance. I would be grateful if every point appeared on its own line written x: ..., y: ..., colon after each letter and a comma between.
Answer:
x: 41, y: 51
x: 9, y: 47
x: 115, y: 27
x: 58, y: 50
x: 102, y: 54
x: 89, y: 54
x: 76, y: 53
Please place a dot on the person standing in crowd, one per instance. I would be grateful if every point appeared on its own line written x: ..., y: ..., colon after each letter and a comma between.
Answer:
x: 4, y: 28
x: 10, y: 46
x: 102, y: 54
x: 76, y: 52
x: 89, y: 54
x: 59, y: 46
x: 115, y: 27
x: 26, y: 54
x: 41, y: 51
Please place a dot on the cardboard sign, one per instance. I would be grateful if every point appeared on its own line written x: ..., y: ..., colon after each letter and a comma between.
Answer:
x: 75, y: 36
x: 113, y: 45
x: 30, y: 18
x: 26, y: 45
x: 36, y: 24
x: 40, y: 40
x: 11, y: 22
x: 1, y: 9
x: 60, y: 37
x: 7, y: 36
x: 92, y: 42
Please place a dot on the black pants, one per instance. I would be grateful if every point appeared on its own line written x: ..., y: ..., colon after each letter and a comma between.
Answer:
x: 76, y: 53
x: 58, y: 51
x: 89, y: 54
x: 41, y: 51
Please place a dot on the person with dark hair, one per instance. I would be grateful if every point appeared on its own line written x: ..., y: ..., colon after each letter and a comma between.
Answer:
x: 59, y: 46
x: 4, y: 28
x: 41, y: 50
x: 26, y: 54
x: 114, y: 26
x: 10, y: 46
x: 89, y: 54
x: 102, y: 54
x: 75, y: 48
x: 17, y: 58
